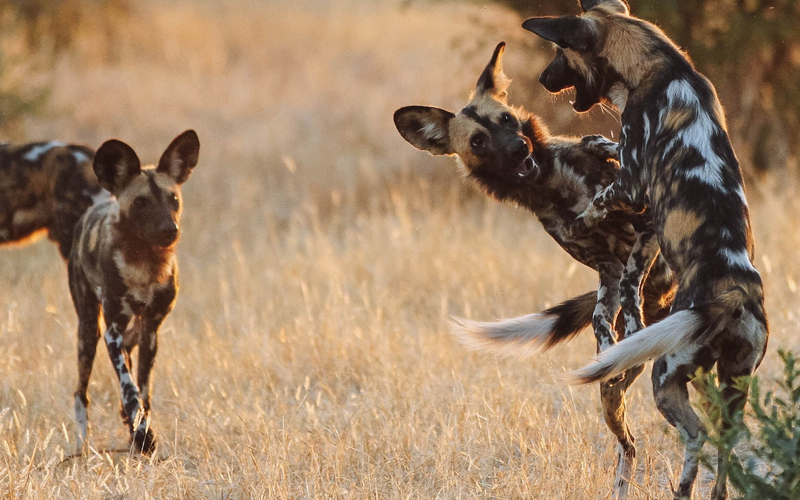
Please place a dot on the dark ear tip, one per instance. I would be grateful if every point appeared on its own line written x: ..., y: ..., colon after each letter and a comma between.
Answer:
x: 190, y: 135
x: 401, y: 116
x: 112, y: 143
x: 498, y: 52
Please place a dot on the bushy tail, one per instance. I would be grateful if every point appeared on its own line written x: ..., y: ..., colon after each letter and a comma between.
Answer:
x: 526, y: 335
x: 695, y: 325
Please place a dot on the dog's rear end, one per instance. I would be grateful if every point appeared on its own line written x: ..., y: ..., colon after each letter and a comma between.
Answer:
x: 45, y: 187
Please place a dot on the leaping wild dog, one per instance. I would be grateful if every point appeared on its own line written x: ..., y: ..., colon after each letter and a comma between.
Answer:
x: 511, y: 155
x: 124, y: 265
x: 45, y: 187
x: 675, y: 149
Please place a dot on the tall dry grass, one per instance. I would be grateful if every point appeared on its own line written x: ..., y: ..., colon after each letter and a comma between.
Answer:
x: 308, y: 356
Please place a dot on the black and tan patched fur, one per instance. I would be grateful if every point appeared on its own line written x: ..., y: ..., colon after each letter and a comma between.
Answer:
x: 45, y: 187
x: 124, y: 266
x: 509, y: 153
x: 677, y: 157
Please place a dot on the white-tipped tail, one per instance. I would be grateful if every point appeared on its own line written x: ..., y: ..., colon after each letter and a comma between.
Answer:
x: 658, y: 340
x: 518, y: 337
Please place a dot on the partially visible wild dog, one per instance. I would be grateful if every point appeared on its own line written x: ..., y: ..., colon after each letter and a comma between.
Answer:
x: 124, y: 265
x: 45, y: 187
x: 674, y: 149
x: 512, y: 156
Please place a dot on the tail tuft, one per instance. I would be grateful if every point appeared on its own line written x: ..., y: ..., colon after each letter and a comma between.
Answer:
x: 524, y: 336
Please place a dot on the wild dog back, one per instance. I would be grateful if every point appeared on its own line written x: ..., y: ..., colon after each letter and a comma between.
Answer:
x: 124, y: 265
x: 45, y: 187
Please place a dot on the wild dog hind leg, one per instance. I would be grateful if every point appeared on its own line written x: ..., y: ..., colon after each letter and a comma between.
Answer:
x: 88, y: 310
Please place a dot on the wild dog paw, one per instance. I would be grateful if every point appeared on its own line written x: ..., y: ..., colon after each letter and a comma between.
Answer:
x: 601, y: 146
x: 580, y: 227
x: 144, y: 441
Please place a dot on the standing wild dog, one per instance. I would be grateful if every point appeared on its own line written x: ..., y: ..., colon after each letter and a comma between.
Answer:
x: 674, y: 149
x: 45, y: 187
x: 510, y: 154
x: 124, y: 265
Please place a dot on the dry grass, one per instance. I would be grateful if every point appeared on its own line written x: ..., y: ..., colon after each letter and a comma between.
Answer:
x: 308, y: 356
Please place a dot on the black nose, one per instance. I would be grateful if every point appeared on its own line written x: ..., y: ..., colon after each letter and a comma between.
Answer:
x: 543, y: 78
x: 169, y: 230
x: 521, y: 150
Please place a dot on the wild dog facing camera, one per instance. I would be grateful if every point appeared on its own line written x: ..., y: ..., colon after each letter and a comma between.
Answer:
x: 488, y: 135
x: 124, y: 266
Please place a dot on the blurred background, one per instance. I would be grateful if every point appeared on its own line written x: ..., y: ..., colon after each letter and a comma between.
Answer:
x: 321, y: 255
x: 253, y: 61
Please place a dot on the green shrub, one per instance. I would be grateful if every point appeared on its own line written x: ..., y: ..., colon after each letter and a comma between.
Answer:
x: 770, y: 468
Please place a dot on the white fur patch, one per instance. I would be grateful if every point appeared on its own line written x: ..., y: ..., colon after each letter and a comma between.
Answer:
x: 697, y: 134
x: 38, y: 151
x: 737, y: 258
x: 80, y: 156
x: 518, y: 337
x: 432, y: 131
x: 618, y: 95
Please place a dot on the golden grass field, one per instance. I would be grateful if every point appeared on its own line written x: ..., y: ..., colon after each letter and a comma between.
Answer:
x: 308, y: 354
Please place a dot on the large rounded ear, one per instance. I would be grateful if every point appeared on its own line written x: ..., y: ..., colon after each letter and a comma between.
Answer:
x: 568, y: 32
x: 180, y: 157
x: 425, y: 128
x: 115, y: 164
x: 493, y: 80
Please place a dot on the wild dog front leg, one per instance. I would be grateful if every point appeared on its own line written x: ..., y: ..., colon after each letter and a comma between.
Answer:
x: 612, y: 392
x: 161, y: 305
x: 601, y: 147
x: 613, y: 198
x: 627, y: 193
x: 607, y: 307
x: 643, y: 254
x: 131, y: 407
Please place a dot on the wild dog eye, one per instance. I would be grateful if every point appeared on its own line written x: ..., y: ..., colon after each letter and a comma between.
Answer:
x: 477, y: 141
x: 506, y: 118
x: 173, y: 199
x: 141, y: 201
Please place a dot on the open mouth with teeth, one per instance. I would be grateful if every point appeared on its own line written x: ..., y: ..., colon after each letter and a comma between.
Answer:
x: 525, y: 167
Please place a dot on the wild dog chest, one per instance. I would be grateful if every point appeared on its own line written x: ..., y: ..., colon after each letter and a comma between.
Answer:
x: 147, y: 285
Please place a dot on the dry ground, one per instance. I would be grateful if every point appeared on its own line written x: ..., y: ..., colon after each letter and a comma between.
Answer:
x: 308, y: 354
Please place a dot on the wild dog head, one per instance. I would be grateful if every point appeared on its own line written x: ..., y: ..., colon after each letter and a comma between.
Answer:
x: 149, y: 198
x: 491, y: 138
x: 603, y: 53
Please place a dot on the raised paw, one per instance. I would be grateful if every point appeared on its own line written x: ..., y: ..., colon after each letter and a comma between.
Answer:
x: 579, y: 227
x: 144, y: 441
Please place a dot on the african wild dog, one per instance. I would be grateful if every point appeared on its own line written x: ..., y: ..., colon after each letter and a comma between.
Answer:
x: 124, y: 265
x: 45, y: 187
x: 675, y: 150
x: 510, y: 154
